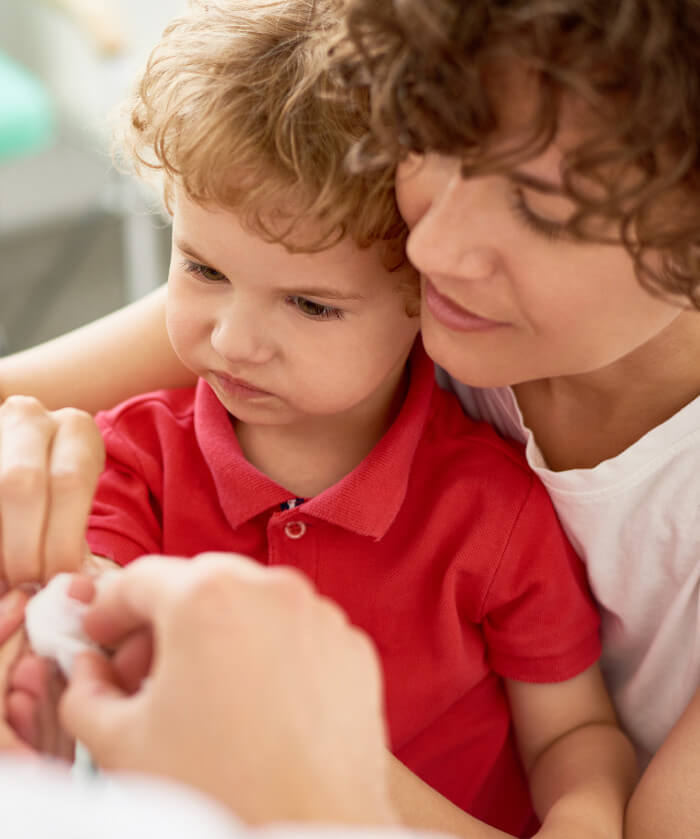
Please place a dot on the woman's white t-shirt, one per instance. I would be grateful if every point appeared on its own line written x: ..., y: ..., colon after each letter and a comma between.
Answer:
x: 635, y: 521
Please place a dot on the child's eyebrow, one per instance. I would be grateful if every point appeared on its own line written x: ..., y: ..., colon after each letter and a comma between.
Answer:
x: 325, y: 292
x: 189, y: 250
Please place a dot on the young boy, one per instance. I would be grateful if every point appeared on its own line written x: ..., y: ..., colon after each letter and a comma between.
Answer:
x: 316, y: 436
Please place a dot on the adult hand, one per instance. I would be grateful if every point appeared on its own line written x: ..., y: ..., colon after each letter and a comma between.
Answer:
x: 260, y: 693
x: 49, y: 465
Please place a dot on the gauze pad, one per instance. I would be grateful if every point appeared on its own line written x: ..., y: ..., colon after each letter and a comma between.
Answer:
x: 54, y: 624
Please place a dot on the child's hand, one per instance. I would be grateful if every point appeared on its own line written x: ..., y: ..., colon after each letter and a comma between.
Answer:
x: 35, y: 686
x: 49, y: 465
x: 11, y: 615
x: 36, y: 683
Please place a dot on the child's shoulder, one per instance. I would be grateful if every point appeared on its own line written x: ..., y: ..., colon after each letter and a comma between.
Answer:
x: 155, y: 409
x: 470, y: 467
x: 451, y: 434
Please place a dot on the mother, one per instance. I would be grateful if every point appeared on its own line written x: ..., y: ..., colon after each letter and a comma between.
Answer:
x: 549, y: 172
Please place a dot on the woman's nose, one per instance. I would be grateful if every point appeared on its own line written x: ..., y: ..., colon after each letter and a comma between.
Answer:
x: 452, y: 237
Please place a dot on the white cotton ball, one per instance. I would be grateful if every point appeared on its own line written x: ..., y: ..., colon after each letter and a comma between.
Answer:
x: 54, y: 624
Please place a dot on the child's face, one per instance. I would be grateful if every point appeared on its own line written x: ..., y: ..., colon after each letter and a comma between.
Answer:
x: 546, y: 306
x: 283, y: 337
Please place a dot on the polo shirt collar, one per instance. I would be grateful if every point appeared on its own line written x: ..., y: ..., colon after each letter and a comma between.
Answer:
x: 366, y: 501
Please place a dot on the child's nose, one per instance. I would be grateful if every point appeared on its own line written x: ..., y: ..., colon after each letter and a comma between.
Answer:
x: 241, y: 338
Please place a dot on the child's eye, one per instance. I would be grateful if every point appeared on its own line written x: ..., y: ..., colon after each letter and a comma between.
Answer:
x: 552, y: 230
x: 211, y: 275
x: 315, y: 310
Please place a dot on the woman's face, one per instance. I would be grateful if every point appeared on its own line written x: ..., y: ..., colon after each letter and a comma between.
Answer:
x: 506, y: 298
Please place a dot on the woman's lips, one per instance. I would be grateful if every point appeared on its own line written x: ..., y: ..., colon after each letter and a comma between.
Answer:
x: 454, y: 317
x: 239, y: 387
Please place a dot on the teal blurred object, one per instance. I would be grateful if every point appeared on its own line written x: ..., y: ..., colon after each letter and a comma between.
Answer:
x: 26, y: 111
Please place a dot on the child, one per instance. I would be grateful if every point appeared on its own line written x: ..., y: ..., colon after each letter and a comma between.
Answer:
x: 316, y: 437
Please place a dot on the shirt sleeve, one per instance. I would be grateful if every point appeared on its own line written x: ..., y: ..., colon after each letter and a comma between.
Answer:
x: 110, y: 806
x: 125, y: 521
x: 540, y: 622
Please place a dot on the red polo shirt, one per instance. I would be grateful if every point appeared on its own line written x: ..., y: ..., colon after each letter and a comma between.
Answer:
x: 442, y: 544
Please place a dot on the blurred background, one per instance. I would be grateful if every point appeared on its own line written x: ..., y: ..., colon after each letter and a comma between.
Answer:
x: 77, y: 239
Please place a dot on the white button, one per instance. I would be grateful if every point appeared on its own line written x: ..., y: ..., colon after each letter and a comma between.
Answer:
x: 295, y: 529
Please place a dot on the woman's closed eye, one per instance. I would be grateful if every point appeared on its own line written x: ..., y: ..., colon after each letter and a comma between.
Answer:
x: 550, y: 229
x: 316, y: 311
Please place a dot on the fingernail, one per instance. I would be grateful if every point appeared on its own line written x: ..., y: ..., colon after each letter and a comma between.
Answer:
x: 82, y: 589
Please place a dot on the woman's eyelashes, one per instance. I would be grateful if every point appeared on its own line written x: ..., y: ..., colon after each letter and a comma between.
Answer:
x: 551, y: 230
x: 317, y: 311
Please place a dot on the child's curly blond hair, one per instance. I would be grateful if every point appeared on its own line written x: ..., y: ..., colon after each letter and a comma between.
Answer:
x: 236, y: 105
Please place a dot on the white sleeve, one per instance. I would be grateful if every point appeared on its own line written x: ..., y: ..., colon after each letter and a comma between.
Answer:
x: 40, y: 800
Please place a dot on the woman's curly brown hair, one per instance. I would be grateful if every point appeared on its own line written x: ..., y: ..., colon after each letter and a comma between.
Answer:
x: 635, y: 63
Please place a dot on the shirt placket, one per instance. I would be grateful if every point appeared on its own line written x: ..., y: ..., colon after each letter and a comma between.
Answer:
x: 292, y: 539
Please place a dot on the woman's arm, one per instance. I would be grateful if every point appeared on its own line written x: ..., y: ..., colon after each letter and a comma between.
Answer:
x: 666, y: 802
x: 420, y: 806
x: 100, y: 364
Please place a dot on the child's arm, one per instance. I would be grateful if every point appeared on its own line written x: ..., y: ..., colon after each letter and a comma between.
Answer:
x: 581, y: 767
x: 49, y: 462
x: 102, y: 363
x: 666, y: 803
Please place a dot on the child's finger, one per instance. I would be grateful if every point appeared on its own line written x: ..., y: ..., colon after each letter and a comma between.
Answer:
x: 28, y: 687
x: 22, y: 716
x: 26, y: 431
x: 76, y: 460
x: 8, y: 653
x: 31, y: 674
x: 11, y: 613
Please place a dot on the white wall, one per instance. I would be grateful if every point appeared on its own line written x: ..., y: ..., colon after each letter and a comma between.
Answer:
x: 74, y: 179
